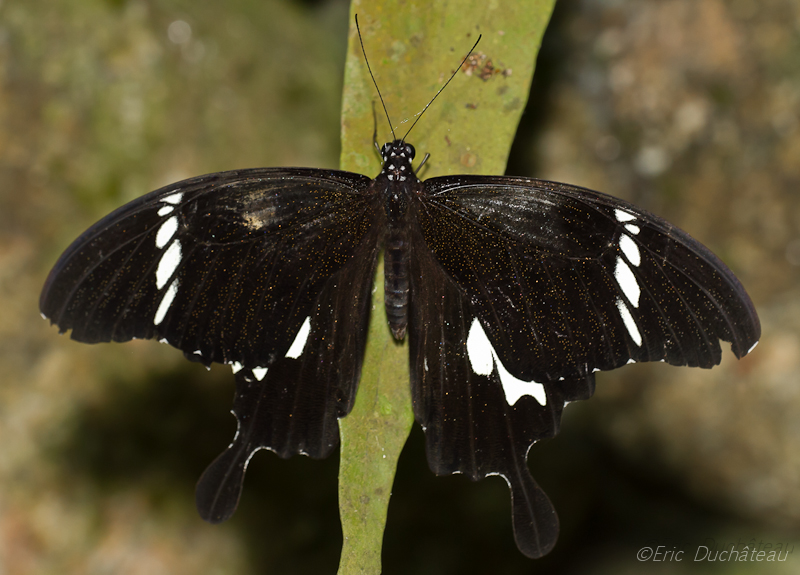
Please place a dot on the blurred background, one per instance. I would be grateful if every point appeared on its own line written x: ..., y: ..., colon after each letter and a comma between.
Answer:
x: 689, y: 108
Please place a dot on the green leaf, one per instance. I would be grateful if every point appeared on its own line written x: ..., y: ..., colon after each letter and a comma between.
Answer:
x: 413, y: 49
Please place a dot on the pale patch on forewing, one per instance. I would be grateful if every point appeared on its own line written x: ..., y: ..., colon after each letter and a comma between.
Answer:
x: 168, y: 264
x: 630, y: 324
x: 166, y: 231
x: 173, y: 199
x: 630, y: 249
x: 627, y: 282
x: 483, y: 357
x: 257, y: 210
x: 166, y: 301
x: 623, y: 216
x: 236, y: 367
x: 259, y: 372
x: 299, y: 343
x: 752, y: 347
x: 257, y: 219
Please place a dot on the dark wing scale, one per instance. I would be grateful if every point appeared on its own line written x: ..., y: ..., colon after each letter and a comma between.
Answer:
x: 580, y: 261
x: 255, y: 282
x: 469, y: 426
x: 296, y: 407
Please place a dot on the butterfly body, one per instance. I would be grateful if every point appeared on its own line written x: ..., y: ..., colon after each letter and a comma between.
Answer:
x: 397, y: 185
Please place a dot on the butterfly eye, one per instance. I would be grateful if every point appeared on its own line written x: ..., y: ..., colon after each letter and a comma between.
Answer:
x: 410, y: 152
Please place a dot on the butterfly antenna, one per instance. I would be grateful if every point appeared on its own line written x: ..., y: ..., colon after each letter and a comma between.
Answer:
x: 442, y: 88
x: 363, y: 51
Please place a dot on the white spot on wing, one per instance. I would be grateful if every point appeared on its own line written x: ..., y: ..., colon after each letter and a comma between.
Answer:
x: 482, y: 358
x: 259, y: 372
x: 168, y: 264
x: 515, y: 388
x: 623, y: 216
x: 630, y: 249
x: 632, y: 229
x: 627, y: 281
x: 300, y: 341
x: 752, y: 347
x: 166, y: 231
x: 165, y: 210
x: 630, y: 324
x: 166, y: 301
x: 173, y: 198
x: 479, y: 349
x: 236, y: 367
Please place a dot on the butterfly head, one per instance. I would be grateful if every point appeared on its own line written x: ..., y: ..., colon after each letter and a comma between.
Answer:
x: 397, y: 157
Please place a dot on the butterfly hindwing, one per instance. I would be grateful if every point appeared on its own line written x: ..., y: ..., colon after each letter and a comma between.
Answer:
x: 294, y: 406
x: 479, y: 420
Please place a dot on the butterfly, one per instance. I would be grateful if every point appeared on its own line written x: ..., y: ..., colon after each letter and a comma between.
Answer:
x: 513, y: 292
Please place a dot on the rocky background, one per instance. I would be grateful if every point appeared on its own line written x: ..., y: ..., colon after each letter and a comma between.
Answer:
x: 689, y: 108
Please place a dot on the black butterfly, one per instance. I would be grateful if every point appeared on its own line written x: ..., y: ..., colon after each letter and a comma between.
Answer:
x: 513, y: 292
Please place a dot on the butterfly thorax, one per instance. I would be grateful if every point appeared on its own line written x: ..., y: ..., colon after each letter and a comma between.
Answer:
x: 396, y: 183
x: 396, y: 180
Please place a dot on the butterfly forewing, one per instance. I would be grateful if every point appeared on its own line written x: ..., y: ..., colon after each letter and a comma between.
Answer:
x: 225, y: 267
x: 567, y: 281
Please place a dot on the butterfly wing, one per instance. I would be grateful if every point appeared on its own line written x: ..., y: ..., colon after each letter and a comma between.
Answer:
x: 521, y: 290
x: 567, y: 280
x: 472, y: 424
x: 240, y: 268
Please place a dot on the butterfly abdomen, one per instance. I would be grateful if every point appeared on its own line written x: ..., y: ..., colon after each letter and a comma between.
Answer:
x: 396, y: 282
